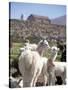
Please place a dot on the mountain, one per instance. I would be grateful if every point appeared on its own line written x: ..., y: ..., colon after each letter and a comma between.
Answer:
x: 59, y: 20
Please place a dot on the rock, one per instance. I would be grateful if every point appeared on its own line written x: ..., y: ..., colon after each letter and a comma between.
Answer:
x: 15, y: 82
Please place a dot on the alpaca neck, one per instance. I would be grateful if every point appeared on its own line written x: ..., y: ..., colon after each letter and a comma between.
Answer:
x: 51, y: 60
x: 40, y: 51
x: 53, y: 57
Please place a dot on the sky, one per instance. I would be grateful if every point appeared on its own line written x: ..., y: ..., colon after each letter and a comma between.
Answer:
x: 52, y: 11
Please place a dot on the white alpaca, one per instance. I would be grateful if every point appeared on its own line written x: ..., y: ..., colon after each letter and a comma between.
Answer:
x: 51, y: 66
x: 30, y: 64
x: 56, y: 68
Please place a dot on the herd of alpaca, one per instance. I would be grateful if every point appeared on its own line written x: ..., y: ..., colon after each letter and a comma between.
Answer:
x: 32, y: 64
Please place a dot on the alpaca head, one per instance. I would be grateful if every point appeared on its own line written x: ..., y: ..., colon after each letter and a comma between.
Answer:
x: 44, y: 44
x: 54, y: 50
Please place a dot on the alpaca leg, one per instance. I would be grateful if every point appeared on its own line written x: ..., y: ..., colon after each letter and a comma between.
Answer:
x: 29, y: 81
x: 48, y: 81
x: 45, y: 75
x: 45, y: 79
x: 28, y: 78
x: 36, y: 77
x: 31, y: 84
x: 63, y: 79
x: 51, y: 78
x: 26, y: 84
x: 33, y: 78
x: 21, y: 68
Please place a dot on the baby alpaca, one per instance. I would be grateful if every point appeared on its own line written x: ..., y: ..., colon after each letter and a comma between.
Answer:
x: 56, y: 68
x: 51, y: 65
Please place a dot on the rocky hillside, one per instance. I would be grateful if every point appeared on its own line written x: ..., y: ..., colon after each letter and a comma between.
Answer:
x: 36, y: 27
